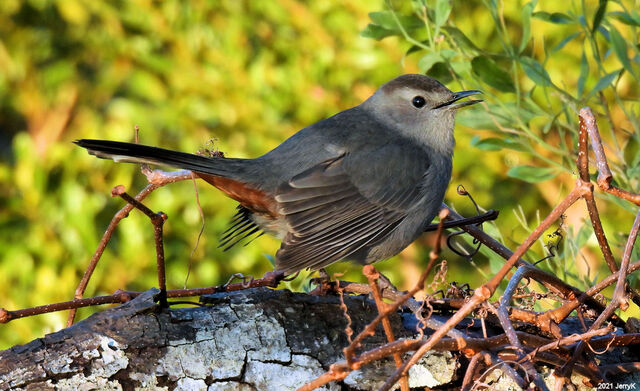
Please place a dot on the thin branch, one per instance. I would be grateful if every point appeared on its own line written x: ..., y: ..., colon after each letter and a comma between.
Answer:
x: 156, y: 179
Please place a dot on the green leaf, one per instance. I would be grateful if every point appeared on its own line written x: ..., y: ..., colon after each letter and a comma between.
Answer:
x: 527, y: 10
x: 147, y: 85
x: 270, y: 258
x: 385, y: 24
x: 584, y: 72
x: 605, y: 33
x: 416, y: 48
x: 597, y: 18
x: 531, y: 174
x: 460, y: 38
x: 623, y: 17
x: 429, y: 60
x: 556, y: 17
x: 376, y: 32
x: 56, y: 73
x: 440, y: 71
x: 461, y: 68
x: 487, y: 144
x: 535, y: 71
x: 386, y: 20
x: 562, y: 43
x: 442, y: 11
x: 604, y: 82
x: 620, y: 47
x: 491, y: 74
x: 496, y: 144
x: 448, y: 54
x: 498, y: 118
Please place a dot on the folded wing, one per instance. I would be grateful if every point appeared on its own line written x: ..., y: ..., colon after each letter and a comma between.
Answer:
x: 347, y: 203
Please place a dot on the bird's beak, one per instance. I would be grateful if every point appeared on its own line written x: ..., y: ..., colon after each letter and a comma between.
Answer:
x: 457, y: 96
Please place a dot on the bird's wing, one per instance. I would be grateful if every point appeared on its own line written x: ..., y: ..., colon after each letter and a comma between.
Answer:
x: 341, y: 205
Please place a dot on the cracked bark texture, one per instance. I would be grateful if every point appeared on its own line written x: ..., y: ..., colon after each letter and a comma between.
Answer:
x: 256, y: 339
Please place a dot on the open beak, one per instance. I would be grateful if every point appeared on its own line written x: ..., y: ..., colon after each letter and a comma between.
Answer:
x: 457, y: 96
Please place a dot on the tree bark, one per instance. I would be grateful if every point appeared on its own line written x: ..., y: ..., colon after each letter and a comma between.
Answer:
x: 256, y: 339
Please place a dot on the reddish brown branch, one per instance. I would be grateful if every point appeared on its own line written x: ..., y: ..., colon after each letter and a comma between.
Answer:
x: 156, y: 179
x: 270, y: 279
x: 605, y: 177
x: 511, y: 348
x: 349, y: 351
x: 157, y: 219
x: 372, y: 275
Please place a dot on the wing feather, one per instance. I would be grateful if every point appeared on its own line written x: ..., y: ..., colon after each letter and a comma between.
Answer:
x: 344, y: 204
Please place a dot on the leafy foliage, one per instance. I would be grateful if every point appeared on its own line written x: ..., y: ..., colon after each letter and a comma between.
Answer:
x: 249, y: 74
x: 245, y: 74
x: 530, y: 82
x: 538, y: 63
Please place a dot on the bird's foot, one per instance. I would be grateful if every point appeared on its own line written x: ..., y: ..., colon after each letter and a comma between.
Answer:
x: 323, y: 283
x: 387, y: 289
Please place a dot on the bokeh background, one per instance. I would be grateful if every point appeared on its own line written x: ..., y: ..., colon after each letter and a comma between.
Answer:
x: 241, y: 76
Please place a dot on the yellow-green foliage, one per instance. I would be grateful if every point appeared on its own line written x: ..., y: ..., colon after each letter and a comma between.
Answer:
x: 248, y: 74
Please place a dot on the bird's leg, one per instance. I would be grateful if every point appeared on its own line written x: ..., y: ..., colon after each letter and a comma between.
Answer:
x: 323, y: 275
x: 323, y: 283
x: 384, y: 283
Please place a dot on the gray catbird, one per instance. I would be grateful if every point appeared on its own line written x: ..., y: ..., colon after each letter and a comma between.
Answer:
x: 360, y: 185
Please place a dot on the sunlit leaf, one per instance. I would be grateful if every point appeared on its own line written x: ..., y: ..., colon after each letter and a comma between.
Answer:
x: 440, y: 72
x: 496, y: 144
x: 416, y: 48
x: 460, y: 38
x: 562, y: 43
x: 556, y: 17
x: 604, y: 82
x: 531, y: 174
x: 461, y: 68
x: 584, y: 72
x: 448, y: 53
x: 73, y: 11
x: 620, y: 48
x: 442, y: 11
x: 147, y: 85
x: 597, y: 18
x: 604, y: 32
x: 384, y: 19
x: 387, y: 20
x: 527, y: 10
x: 628, y: 19
x: 376, y: 32
x: 500, y: 116
x: 491, y: 74
x: 487, y: 144
x: 535, y: 71
x: 428, y: 60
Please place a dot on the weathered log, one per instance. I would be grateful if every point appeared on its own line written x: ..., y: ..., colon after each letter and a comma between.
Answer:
x: 256, y: 339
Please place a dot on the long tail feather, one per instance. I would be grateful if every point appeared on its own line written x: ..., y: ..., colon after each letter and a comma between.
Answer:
x: 136, y: 153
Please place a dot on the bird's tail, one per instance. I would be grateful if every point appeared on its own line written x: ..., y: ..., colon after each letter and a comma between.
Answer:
x: 136, y: 153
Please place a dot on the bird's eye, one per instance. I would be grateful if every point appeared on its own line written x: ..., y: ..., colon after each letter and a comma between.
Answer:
x: 418, y: 101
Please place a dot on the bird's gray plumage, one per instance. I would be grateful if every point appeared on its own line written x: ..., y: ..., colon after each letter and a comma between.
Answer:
x: 359, y: 185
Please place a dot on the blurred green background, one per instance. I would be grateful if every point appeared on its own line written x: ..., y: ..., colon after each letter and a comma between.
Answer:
x: 241, y: 76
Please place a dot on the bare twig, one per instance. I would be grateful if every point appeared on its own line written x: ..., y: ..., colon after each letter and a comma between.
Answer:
x: 156, y: 179
x: 372, y: 275
x: 157, y: 219
x: 270, y: 279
